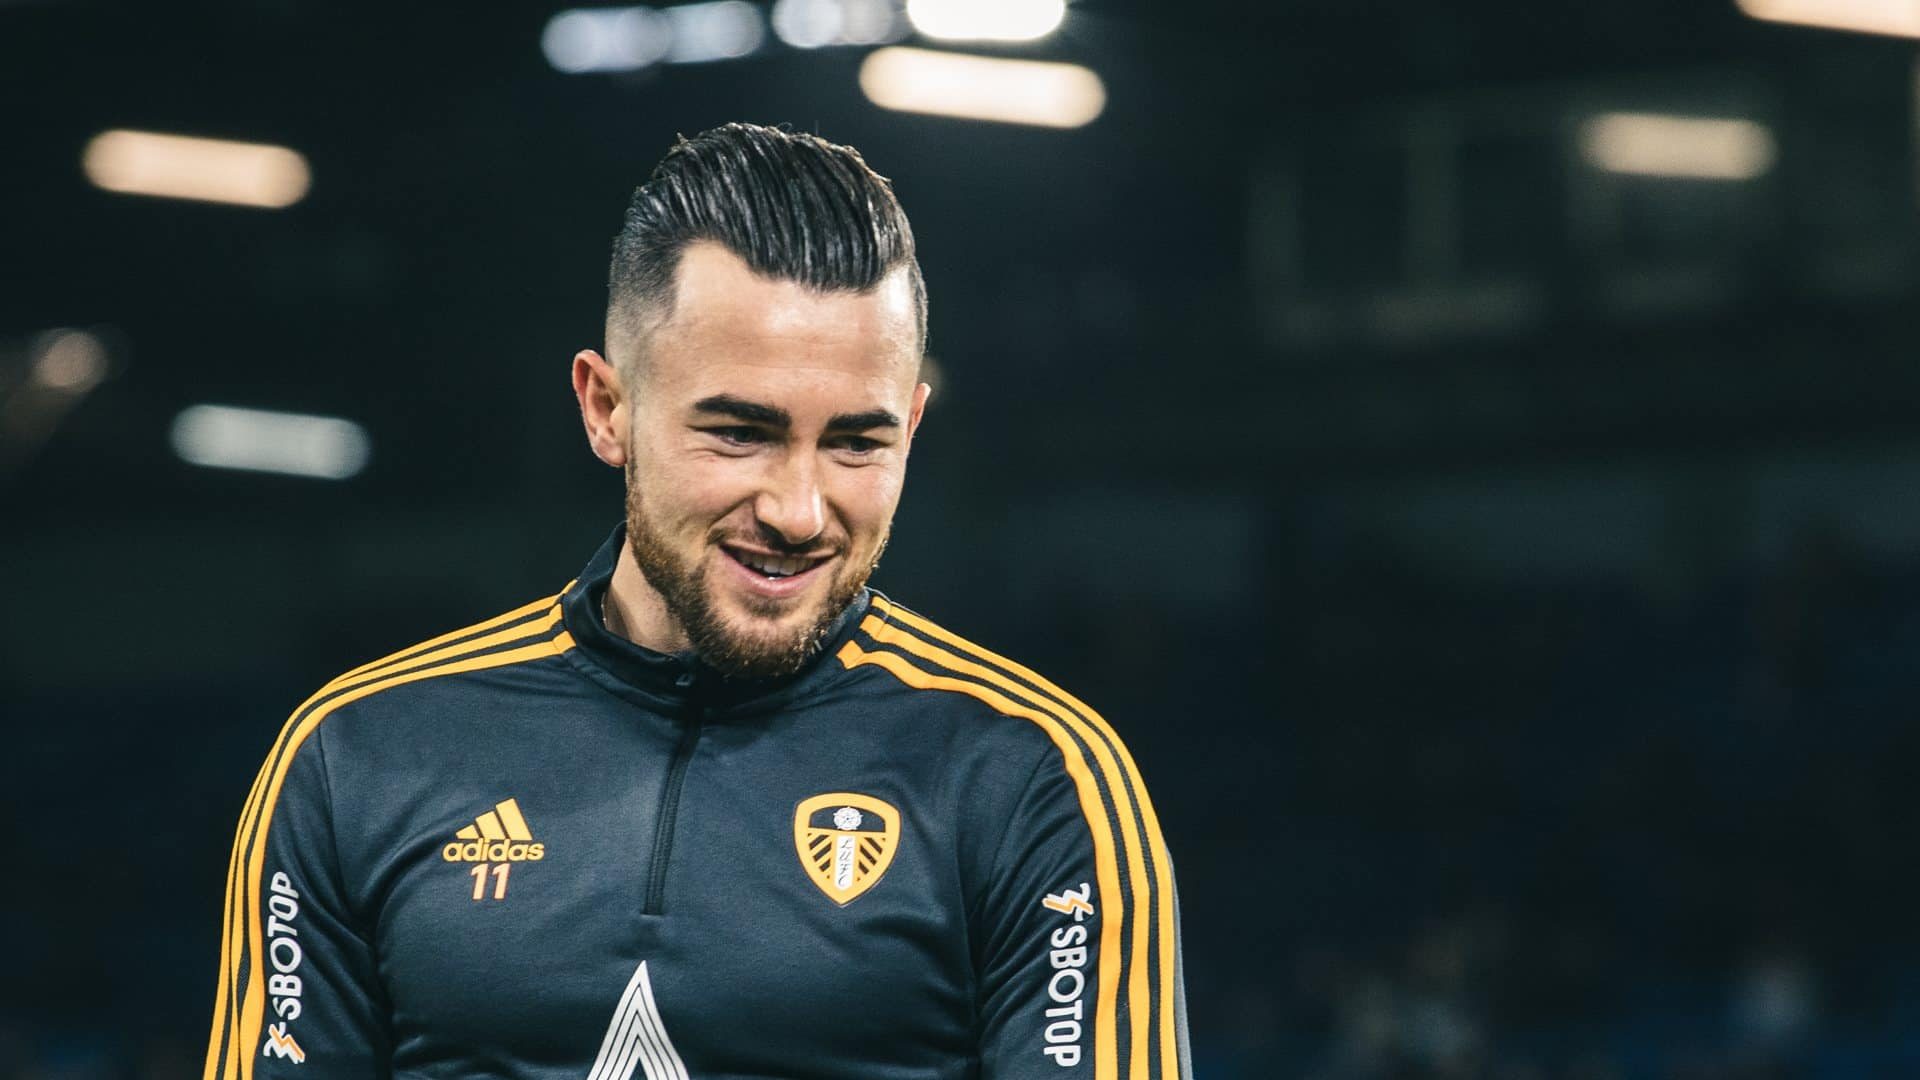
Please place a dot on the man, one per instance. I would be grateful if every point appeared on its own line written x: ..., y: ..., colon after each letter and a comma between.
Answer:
x: 717, y: 809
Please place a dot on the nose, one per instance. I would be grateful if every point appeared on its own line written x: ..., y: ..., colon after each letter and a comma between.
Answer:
x: 790, y: 502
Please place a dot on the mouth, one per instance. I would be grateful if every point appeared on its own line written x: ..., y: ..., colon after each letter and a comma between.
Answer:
x: 772, y: 574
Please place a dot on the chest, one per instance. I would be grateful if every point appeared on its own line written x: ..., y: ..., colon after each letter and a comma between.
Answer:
x: 795, y: 901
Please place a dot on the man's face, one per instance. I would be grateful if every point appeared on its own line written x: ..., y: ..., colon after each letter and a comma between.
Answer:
x: 769, y: 444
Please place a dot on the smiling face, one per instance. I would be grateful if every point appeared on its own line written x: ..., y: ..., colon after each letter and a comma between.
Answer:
x: 767, y: 435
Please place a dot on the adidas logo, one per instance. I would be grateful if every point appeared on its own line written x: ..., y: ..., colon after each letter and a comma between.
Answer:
x: 499, y: 835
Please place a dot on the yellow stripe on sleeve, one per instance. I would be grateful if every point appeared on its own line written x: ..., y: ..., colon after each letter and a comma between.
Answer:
x: 223, y: 1007
x: 413, y: 659
x: 410, y: 658
x: 1139, y: 1006
x: 1167, y: 932
x: 488, y: 624
x: 237, y: 946
x: 254, y: 1007
x: 1106, y: 869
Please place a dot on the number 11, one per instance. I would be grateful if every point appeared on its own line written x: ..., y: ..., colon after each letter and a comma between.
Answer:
x: 499, y: 880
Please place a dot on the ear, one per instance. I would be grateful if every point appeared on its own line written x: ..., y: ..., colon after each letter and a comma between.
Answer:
x: 603, y: 406
x: 920, y: 395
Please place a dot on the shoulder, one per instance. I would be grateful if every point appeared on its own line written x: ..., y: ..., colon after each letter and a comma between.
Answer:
x: 526, y: 634
x: 1081, y: 772
x: 1005, y: 696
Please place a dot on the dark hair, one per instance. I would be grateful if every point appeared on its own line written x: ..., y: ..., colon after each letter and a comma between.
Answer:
x: 795, y: 207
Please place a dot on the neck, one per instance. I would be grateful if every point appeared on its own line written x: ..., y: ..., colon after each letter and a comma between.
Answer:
x: 637, y: 612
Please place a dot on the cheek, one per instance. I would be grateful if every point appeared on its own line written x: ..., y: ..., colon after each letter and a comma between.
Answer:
x: 691, y: 492
x: 867, y: 498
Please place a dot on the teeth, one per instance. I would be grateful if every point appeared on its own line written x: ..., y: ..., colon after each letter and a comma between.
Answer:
x: 772, y: 565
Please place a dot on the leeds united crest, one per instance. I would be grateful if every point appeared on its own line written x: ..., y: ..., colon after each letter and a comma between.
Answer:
x: 845, y: 841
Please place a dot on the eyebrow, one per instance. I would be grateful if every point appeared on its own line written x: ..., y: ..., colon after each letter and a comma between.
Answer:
x: 754, y: 412
x: 741, y: 409
x: 863, y: 421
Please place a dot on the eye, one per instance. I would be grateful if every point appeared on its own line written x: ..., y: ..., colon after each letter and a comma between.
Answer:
x: 737, y: 435
x: 858, y: 444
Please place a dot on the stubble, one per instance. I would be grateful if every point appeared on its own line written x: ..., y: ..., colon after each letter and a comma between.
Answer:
x: 689, y: 598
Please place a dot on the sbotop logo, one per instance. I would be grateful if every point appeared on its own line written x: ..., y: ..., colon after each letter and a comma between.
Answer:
x: 1067, y: 960
x: 284, y: 956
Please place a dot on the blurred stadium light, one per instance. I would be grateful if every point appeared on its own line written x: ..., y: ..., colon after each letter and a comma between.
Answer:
x: 1487, y: 216
x: 61, y: 368
x: 722, y: 30
x: 186, y: 167
x: 986, y: 20
x: 1680, y: 147
x: 810, y: 24
x: 587, y: 40
x: 1040, y: 93
x: 1900, y: 18
x: 614, y: 39
x: 257, y: 440
x: 69, y: 361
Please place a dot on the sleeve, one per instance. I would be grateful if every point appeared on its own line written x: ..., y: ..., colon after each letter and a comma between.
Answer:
x: 1079, y: 943
x: 298, y: 993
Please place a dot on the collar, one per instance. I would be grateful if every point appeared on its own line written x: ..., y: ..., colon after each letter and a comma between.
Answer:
x: 678, y: 682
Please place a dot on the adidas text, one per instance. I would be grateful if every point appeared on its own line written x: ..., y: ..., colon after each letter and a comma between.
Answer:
x: 493, y: 851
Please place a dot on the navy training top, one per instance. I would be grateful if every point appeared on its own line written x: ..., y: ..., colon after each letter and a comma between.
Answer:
x: 531, y: 848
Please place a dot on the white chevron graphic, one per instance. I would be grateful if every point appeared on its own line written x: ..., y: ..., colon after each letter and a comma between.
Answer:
x: 635, y: 1036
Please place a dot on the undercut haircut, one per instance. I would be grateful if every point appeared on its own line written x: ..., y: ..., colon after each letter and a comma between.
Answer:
x: 793, y: 206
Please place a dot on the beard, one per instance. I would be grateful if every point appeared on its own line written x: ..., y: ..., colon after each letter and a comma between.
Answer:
x: 690, y: 599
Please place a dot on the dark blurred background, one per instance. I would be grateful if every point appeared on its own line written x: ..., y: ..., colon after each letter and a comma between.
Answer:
x: 1469, y: 451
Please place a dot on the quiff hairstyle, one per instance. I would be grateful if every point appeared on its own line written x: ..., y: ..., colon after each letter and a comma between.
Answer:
x: 793, y: 206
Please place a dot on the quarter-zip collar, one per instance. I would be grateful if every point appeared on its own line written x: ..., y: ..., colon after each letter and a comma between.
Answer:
x: 676, y: 682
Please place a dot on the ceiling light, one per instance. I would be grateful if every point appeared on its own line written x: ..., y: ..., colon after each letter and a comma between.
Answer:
x: 986, y: 20
x: 1683, y: 147
x: 207, y: 170
x: 225, y: 437
x: 1035, y: 92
